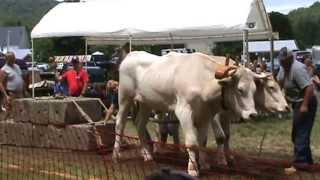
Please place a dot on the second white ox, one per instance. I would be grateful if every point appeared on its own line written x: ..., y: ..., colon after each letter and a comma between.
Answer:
x: 185, y: 84
x: 268, y: 98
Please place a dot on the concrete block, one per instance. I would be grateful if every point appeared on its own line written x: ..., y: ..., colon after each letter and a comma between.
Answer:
x: 59, y: 112
x: 72, y: 137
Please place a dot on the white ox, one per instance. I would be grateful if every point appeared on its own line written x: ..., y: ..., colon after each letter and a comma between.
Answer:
x: 268, y: 98
x: 185, y: 84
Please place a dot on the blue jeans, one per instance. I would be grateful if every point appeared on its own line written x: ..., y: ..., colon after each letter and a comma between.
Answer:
x: 61, y: 88
x: 301, y: 131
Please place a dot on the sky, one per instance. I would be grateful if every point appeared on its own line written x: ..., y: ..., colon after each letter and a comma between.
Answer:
x: 284, y: 6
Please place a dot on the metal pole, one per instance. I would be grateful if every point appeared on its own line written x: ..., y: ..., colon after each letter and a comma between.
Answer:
x: 86, y: 48
x: 130, y: 43
x: 271, y: 52
x: 245, y: 49
x: 8, y: 42
x: 172, y: 42
x: 32, y: 70
x: 86, y: 52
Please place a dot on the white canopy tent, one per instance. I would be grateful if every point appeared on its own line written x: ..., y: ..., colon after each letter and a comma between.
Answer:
x: 156, y: 22
x: 264, y: 46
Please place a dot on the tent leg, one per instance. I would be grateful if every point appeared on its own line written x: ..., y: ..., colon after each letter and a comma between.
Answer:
x: 172, y: 42
x: 271, y: 52
x: 245, y: 53
x: 86, y: 52
x: 130, y: 43
x: 32, y: 70
x: 86, y: 47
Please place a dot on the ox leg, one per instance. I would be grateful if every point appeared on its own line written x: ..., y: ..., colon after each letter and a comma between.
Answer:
x: 202, y: 137
x: 225, y: 123
x: 144, y: 136
x: 160, y: 132
x: 124, y: 107
x: 220, y: 138
x: 184, y: 114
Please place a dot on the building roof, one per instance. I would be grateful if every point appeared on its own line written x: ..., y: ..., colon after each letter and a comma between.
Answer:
x: 18, y: 37
x: 264, y: 46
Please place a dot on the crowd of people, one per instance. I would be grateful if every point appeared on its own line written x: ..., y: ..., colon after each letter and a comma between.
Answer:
x: 69, y: 82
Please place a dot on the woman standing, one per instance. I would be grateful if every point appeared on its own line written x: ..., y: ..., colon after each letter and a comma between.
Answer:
x: 11, y: 82
x: 297, y: 83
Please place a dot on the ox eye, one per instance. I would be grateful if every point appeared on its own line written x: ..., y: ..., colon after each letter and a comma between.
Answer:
x: 271, y: 88
x: 241, y: 91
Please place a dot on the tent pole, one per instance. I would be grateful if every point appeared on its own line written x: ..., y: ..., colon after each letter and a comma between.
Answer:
x: 271, y: 51
x: 245, y: 57
x: 130, y: 43
x: 32, y: 69
x: 86, y: 48
x: 172, y: 43
x: 86, y: 52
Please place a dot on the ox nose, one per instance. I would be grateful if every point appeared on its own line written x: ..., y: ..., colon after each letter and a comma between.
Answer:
x: 253, y: 115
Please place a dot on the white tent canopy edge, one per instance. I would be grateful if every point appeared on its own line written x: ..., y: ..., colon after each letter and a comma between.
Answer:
x: 147, y: 22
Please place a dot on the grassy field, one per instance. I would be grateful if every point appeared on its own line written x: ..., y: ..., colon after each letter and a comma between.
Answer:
x: 247, y: 137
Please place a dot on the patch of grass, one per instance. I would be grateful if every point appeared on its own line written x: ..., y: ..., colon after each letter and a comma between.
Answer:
x: 246, y: 137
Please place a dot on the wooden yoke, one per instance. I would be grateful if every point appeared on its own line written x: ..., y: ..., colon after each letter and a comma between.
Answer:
x: 223, y: 71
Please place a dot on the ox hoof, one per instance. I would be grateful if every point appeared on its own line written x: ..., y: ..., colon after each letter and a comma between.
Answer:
x: 205, y: 166
x: 146, y: 155
x: 116, y: 156
x: 148, y: 158
x: 230, y: 159
x: 157, y: 149
x: 193, y: 173
x: 222, y: 161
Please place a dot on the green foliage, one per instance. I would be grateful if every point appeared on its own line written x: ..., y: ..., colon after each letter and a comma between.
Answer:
x: 44, y: 48
x: 23, y: 12
x: 281, y: 23
x: 305, y: 23
x: 231, y: 48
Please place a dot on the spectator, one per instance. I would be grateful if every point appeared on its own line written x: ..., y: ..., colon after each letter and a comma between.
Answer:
x: 11, y: 82
x: 61, y: 87
x: 52, y: 65
x: 295, y: 80
x: 77, y: 79
x: 312, y: 72
x: 112, y: 97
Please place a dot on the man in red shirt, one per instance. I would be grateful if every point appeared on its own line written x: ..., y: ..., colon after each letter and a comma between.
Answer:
x: 77, y: 79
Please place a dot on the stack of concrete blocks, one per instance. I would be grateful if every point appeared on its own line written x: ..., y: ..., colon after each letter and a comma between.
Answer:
x: 57, y: 124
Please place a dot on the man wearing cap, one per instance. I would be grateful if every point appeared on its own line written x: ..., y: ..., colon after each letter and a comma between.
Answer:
x: 295, y: 80
x: 77, y: 78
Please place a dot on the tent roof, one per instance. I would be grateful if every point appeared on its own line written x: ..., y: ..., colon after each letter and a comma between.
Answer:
x: 147, y: 21
x: 264, y: 46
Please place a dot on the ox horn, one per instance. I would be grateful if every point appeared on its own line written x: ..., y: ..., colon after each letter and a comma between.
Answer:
x: 227, y: 60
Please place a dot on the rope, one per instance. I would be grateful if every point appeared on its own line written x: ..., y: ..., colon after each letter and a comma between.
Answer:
x: 91, y: 122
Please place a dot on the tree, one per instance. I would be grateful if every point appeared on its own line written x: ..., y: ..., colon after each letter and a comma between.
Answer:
x: 306, y: 25
x: 281, y: 23
x: 232, y: 48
